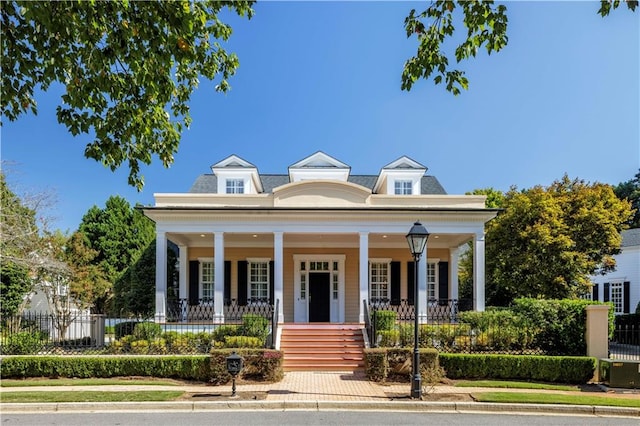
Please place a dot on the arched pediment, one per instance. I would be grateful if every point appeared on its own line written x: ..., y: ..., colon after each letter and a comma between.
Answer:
x: 320, y: 193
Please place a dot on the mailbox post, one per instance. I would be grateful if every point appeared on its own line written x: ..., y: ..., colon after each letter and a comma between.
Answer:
x: 234, y: 366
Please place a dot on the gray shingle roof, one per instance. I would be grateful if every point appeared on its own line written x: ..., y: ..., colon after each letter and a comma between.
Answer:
x: 631, y: 237
x: 208, y: 183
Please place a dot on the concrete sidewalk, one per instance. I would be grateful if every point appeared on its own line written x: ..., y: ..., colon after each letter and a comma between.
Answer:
x: 316, y: 390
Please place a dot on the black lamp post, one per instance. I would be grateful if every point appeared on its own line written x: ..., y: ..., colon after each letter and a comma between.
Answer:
x: 417, y: 239
x: 234, y: 365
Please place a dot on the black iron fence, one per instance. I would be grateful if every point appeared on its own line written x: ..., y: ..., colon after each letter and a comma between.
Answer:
x: 625, y: 344
x: 253, y: 325
x: 437, y: 310
x: 183, y: 310
x: 390, y: 325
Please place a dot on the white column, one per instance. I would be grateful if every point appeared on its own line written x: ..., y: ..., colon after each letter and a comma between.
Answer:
x: 278, y: 265
x: 183, y: 261
x: 478, y: 273
x: 218, y: 288
x: 161, y: 276
x: 421, y: 270
x: 364, y: 272
x: 454, y: 254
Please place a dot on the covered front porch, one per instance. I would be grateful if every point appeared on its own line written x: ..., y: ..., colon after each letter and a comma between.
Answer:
x: 313, y: 273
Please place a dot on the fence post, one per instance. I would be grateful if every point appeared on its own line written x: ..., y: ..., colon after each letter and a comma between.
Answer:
x: 597, y: 334
x: 97, y: 330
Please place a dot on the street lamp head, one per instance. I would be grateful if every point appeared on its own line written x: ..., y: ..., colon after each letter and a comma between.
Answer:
x: 417, y: 239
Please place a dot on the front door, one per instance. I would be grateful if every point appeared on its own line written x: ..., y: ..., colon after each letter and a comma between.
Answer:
x: 319, y: 297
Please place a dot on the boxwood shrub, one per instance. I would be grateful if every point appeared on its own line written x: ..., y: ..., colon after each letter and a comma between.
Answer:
x: 188, y: 367
x: 395, y: 364
x: 556, y: 369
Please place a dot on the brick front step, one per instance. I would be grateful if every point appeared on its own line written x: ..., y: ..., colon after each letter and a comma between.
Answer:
x: 322, y: 347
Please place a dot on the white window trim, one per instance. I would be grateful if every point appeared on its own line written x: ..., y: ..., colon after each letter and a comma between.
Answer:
x: 436, y: 273
x: 619, y: 284
x: 379, y: 261
x: 251, y: 260
x: 236, y: 185
x: 403, y: 183
x: 201, y: 261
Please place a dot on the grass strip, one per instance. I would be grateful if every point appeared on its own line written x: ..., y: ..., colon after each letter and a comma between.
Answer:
x: 540, y: 398
x: 14, y: 383
x: 505, y: 384
x: 93, y: 396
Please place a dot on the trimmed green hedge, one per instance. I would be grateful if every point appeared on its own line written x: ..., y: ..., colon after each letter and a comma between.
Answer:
x: 188, y: 367
x: 259, y: 364
x: 395, y: 364
x: 556, y: 369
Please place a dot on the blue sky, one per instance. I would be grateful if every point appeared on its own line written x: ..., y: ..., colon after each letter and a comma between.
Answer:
x: 563, y: 97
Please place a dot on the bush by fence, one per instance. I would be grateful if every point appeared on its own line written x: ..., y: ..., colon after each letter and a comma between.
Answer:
x: 194, y: 367
x: 529, y: 327
x: 388, y: 364
x: 556, y: 369
x: 259, y: 364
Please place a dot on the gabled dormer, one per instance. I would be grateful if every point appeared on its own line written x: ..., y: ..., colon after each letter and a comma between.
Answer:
x: 401, y: 177
x: 319, y: 166
x: 237, y: 176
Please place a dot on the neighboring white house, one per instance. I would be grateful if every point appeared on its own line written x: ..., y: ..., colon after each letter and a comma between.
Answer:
x: 622, y: 286
x: 40, y: 309
x: 317, y: 240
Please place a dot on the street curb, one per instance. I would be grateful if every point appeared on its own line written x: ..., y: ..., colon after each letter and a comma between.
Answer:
x: 448, y: 407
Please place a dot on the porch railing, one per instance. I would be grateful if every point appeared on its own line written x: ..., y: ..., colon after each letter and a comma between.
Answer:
x: 203, y: 311
x: 438, y: 310
x: 368, y: 324
x: 274, y: 325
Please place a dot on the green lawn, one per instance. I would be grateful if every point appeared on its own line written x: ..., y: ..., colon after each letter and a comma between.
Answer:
x: 513, y: 385
x: 545, y: 398
x: 94, y: 396
x: 13, y: 383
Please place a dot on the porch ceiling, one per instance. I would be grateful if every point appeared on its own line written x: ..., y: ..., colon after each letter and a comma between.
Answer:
x: 315, y: 240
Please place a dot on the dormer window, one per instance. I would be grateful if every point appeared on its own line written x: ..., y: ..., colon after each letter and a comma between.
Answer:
x: 236, y: 176
x: 403, y: 187
x: 235, y: 186
x: 402, y: 177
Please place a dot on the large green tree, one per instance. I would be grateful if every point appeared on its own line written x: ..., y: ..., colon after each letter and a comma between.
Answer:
x: 128, y: 69
x: 548, y: 241
x: 485, y: 24
x: 119, y: 234
x: 134, y: 291
x: 630, y: 191
x: 21, y: 246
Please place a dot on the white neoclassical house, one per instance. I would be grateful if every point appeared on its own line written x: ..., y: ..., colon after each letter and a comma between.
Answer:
x: 622, y: 286
x: 317, y: 243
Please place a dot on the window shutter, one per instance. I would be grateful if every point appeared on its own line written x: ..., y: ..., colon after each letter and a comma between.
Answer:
x: 395, y: 283
x: 594, y: 295
x: 626, y: 293
x: 227, y: 282
x: 194, y: 282
x: 271, y: 279
x: 443, y: 283
x: 242, y: 282
x: 605, y: 297
x: 411, y: 282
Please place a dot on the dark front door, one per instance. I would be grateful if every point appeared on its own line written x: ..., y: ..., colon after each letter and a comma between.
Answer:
x: 319, y: 309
